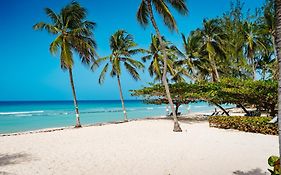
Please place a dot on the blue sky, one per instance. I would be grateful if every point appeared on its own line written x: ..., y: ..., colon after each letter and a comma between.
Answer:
x: 29, y: 72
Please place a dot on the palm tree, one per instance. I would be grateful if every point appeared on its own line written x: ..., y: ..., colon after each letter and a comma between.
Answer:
x: 212, y: 45
x: 155, y: 55
x: 123, y: 48
x: 73, y: 34
x: 253, y: 43
x: 144, y: 15
x: 195, y: 68
x: 268, y: 19
x: 278, y: 51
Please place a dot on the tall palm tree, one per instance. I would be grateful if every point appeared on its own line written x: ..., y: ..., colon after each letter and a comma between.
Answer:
x: 73, y: 34
x: 268, y: 19
x: 212, y: 44
x: 278, y: 51
x: 144, y: 15
x: 253, y: 44
x: 123, y: 48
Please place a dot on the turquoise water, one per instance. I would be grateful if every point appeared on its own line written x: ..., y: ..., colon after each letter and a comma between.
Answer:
x: 33, y: 115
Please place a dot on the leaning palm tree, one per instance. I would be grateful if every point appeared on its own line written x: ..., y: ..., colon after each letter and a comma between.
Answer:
x: 73, y: 34
x: 144, y: 15
x: 278, y: 51
x: 123, y: 48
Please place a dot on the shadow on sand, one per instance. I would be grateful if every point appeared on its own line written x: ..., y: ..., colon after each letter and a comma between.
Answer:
x: 12, y: 159
x: 256, y: 171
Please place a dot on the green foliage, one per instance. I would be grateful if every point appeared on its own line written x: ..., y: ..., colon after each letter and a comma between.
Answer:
x: 274, y: 162
x: 163, y: 9
x: 238, y: 45
x: 247, y: 124
x: 73, y: 33
x: 261, y: 94
x: 155, y: 56
x: 123, y: 47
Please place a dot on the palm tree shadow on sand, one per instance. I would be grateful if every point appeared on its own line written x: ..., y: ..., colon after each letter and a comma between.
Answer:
x: 256, y: 171
x: 12, y: 159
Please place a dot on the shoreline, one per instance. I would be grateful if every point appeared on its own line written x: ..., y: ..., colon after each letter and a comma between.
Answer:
x: 192, y: 117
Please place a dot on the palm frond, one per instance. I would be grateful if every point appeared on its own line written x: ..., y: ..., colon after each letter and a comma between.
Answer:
x: 53, y: 16
x: 54, y: 46
x: 48, y: 27
x: 98, y: 61
x: 132, y: 71
x: 145, y: 58
x: 103, y: 73
x: 143, y: 14
x: 166, y: 14
x: 135, y: 63
x: 66, y: 56
x: 180, y: 6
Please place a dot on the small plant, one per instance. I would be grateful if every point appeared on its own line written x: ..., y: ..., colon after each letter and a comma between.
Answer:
x: 274, y: 162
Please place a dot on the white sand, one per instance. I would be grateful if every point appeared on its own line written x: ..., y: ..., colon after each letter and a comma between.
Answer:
x: 140, y: 147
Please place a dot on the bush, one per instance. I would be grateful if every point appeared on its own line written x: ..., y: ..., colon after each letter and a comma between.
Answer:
x: 242, y: 123
x: 274, y: 162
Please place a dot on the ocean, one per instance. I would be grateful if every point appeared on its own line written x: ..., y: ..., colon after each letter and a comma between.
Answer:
x: 18, y: 116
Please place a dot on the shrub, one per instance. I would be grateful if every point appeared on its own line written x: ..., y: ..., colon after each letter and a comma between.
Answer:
x: 274, y: 162
x: 242, y: 123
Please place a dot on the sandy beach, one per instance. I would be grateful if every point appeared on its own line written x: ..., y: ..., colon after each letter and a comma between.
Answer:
x: 138, y: 147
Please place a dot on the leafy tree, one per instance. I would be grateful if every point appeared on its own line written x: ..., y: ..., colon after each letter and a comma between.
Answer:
x: 144, y: 15
x: 123, y: 48
x: 232, y: 25
x: 261, y: 94
x: 73, y: 34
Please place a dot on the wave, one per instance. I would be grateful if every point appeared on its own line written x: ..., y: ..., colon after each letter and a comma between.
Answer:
x: 69, y: 112
x: 21, y: 112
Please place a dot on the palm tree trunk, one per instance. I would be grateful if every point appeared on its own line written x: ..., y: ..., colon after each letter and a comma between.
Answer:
x: 122, y: 99
x: 215, y: 75
x: 254, y: 69
x: 177, y: 127
x: 278, y: 51
x: 78, y: 124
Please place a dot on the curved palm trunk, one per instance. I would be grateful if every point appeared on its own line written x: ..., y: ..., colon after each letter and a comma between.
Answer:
x: 122, y: 99
x: 278, y: 51
x: 78, y: 124
x: 177, y: 127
